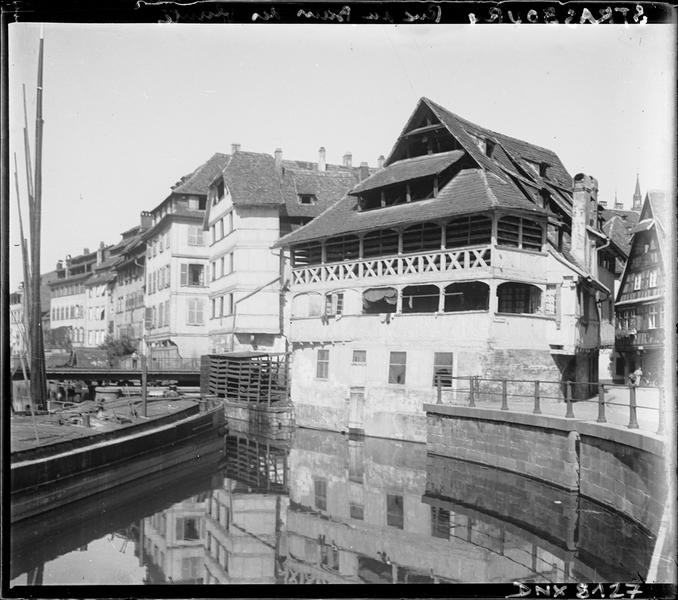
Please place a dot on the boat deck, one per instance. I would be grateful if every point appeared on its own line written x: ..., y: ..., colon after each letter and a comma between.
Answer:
x: 50, y: 430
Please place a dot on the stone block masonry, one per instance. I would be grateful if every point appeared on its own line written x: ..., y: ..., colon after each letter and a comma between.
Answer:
x: 622, y: 469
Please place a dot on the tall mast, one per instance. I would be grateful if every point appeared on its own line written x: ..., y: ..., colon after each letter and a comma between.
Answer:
x: 38, y: 375
x: 26, y: 296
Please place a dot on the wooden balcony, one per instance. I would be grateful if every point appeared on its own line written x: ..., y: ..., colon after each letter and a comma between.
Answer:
x: 441, y: 261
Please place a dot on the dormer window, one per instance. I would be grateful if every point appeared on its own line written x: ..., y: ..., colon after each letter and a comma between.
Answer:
x: 543, y: 168
x: 307, y: 199
x: 218, y: 192
x: 489, y: 147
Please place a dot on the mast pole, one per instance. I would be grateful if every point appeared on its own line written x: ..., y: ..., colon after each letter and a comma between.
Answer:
x: 26, y: 296
x: 38, y: 378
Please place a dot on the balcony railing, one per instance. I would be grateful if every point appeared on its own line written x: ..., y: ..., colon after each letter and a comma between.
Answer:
x: 412, y: 264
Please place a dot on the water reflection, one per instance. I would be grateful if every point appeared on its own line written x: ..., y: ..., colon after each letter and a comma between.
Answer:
x: 326, y: 508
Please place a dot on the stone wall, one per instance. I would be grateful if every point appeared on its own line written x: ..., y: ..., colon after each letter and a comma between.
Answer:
x: 620, y: 468
x: 486, y: 436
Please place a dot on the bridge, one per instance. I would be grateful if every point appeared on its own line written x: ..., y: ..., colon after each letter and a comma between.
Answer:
x: 188, y: 376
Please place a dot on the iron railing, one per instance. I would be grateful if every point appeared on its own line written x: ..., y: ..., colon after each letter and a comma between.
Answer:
x: 528, y: 395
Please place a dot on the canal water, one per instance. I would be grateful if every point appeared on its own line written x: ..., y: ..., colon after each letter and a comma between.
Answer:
x: 322, y: 507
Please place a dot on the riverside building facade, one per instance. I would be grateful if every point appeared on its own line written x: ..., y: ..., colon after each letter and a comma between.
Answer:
x: 470, y: 253
x: 177, y: 255
x: 640, y: 302
x: 252, y: 202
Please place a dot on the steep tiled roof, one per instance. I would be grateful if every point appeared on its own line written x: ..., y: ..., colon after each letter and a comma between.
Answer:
x: 522, y: 152
x: 328, y: 187
x: 472, y: 190
x: 198, y: 182
x: 618, y: 225
x: 410, y: 168
x: 659, y: 206
x: 508, y: 179
x: 252, y: 179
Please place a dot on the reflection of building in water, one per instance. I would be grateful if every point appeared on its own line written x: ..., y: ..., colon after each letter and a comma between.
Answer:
x: 245, y: 516
x: 375, y: 511
x: 174, y: 542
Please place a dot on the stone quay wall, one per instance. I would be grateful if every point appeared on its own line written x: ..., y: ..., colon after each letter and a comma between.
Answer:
x: 622, y: 469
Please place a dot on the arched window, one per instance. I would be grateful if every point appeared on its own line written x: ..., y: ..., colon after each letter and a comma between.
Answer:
x: 470, y: 295
x: 306, y: 254
x: 380, y: 300
x: 518, y: 298
x: 420, y: 299
x: 474, y: 230
x: 307, y: 305
x: 344, y: 247
x: 383, y: 242
x: 421, y: 237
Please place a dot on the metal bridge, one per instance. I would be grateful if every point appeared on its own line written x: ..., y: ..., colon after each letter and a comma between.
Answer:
x: 183, y: 376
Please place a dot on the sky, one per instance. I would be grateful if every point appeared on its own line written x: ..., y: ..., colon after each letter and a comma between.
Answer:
x: 129, y: 109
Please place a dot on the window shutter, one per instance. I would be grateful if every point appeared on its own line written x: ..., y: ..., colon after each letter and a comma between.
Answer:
x: 202, y: 276
x: 184, y: 275
x: 168, y: 270
x: 148, y: 317
x: 198, y: 312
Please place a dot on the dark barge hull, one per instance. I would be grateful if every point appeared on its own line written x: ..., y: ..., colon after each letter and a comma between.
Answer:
x: 46, y: 482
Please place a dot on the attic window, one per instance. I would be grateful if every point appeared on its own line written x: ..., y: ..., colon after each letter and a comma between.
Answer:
x: 308, y: 199
x: 543, y: 168
x: 489, y: 147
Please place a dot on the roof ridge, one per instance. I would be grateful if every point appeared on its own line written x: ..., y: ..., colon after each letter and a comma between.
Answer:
x: 504, y: 135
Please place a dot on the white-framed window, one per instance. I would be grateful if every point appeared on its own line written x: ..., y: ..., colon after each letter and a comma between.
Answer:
x: 334, y: 304
x: 195, y: 311
x: 221, y: 228
x: 192, y: 275
x: 213, y: 302
x: 195, y: 236
x: 397, y: 367
x: 636, y: 281
x: 442, y: 369
x: 359, y: 357
x: 652, y: 280
x: 323, y: 364
x: 222, y: 266
x: 213, y: 233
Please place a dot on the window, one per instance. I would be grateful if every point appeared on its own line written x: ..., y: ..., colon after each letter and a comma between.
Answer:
x: 397, y: 367
x: 442, y: 369
x: 221, y: 229
x: 440, y: 523
x: 519, y: 233
x: 219, y: 191
x: 518, y: 298
x: 342, y: 248
x: 474, y: 230
x: 195, y: 236
x: 357, y: 511
x: 192, y: 275
x: 195, y: 306
x: 320, y: 493
x: 419, y: 238
x: 213, y: 233
x: 359, y: 357
x: 227, y: 304
x: 213, y: 302
x: 222, y: 266
x: 652, y: 317
x: 187, y: 529
x: 652, y: 279
x: 334, y: 304
x: 167, y: 312
x: 383, y: 242
x: 395, y: 515
x: 636, y: 281
x: 161, y: 314
x: 229, y: 222
x: 306, y: 254
x: 420, y: 298
x: 307, y: 199
x: 473, y: 295
x: 323, y: 364
x: 379, y: 300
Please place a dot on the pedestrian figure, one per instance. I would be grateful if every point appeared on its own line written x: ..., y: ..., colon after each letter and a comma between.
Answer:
x: 635, y: 377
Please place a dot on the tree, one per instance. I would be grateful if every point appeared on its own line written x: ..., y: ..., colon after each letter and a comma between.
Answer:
x: 118, y: 347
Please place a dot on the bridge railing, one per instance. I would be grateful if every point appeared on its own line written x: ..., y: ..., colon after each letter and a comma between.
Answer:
x: 634, y: 406
x: 172, y: 364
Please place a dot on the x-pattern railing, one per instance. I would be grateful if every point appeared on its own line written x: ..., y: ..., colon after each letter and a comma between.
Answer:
x: 414, y: 264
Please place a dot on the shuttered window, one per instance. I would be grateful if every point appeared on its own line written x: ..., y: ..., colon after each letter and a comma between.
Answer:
x: 195, y: 311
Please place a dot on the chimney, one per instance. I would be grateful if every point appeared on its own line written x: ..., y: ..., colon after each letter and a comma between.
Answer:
x: 100, y: 253
x: 348, y: 157
x: 60, y: 265
x: 146, y: 220
x: 278, y: 158
x: 85, y: 250
x: 380, y: 161
x: 584, y: 206
x: 364, y: 171
x: 235, y: 148
x: 321, y: 159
